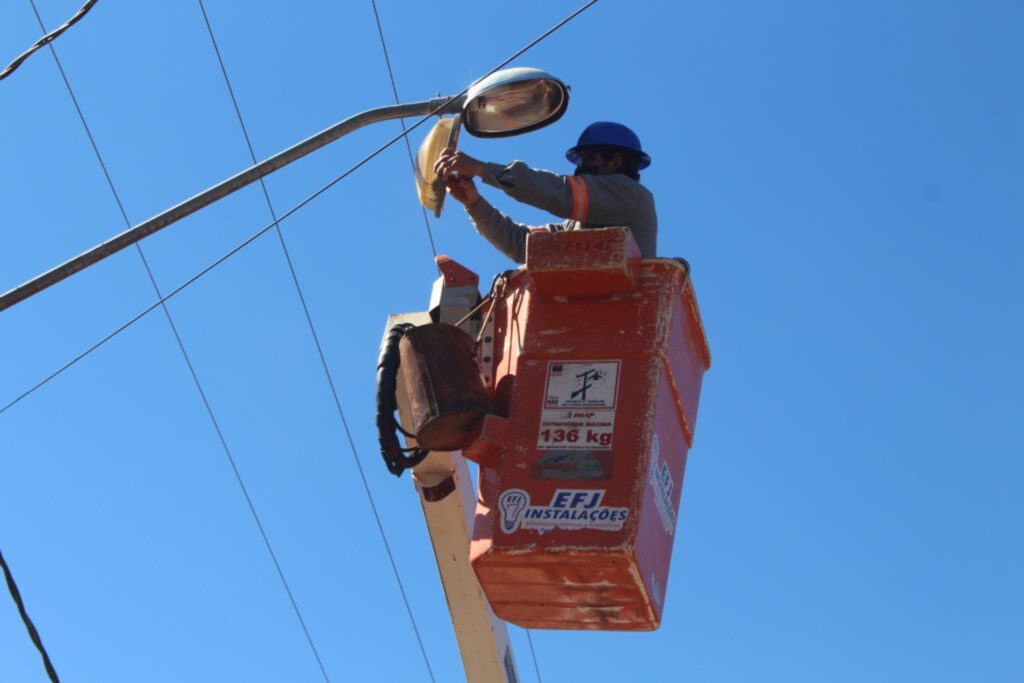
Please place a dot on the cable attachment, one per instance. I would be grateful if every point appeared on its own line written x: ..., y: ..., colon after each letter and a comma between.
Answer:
x: 499, y: 285
x: 387, y: 426
x: 497, y: 291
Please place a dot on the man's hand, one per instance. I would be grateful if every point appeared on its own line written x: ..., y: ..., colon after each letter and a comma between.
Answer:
x: 452, y: 162
x: 462, y: 189
x: 457, y: 169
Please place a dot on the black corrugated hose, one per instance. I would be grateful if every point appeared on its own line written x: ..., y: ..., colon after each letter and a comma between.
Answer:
x: 387, y: 427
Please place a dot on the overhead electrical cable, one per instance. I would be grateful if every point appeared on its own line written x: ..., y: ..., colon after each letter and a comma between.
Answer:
x: 149, y: 309
x: 408, y: 147
x: 252, y: 238
x: 536, y: 666
x: 47, y: 39
x: 185, y: 355
x: 12, y: 587
x: 316, y: 342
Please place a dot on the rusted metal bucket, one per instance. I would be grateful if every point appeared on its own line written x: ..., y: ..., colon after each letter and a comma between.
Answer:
x: 446, y: 390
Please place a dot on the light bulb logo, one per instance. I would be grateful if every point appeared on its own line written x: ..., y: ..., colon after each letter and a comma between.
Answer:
x: 512, y: 503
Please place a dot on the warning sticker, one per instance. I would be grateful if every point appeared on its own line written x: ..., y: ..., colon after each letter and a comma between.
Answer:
x: 561, y: 429
x: 582, y: 384
x: 581, y: 465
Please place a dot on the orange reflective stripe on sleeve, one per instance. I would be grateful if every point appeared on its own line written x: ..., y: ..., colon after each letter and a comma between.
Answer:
x: 575, y: 197
x: 585, y: 204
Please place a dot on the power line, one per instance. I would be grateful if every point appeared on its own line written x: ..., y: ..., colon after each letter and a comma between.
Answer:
x: 47, y: 39
x: 316, y: 340
x: 408, y: 147
x: 536, y: 667
x: 259, y: 233
x: 149, y: 309
x: 29, y: 626
x: 186, y: 357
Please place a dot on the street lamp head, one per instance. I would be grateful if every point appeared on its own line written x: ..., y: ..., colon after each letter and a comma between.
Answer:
x: 514, y: 101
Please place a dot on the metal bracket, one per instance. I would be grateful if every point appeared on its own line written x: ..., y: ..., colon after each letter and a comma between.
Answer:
x: 487, y: 352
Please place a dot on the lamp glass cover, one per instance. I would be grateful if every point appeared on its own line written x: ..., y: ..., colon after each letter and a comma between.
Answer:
x: 516, y: 107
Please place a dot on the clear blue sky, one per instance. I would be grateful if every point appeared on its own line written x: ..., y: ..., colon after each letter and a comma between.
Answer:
x: 844, y: 177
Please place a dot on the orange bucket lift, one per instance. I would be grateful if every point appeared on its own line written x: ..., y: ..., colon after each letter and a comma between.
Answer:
x: 582, y: 406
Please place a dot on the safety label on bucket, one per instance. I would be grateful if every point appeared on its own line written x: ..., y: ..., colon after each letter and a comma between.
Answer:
x: 562, y: 429
x: 580, y: 465
x: 582, y: 384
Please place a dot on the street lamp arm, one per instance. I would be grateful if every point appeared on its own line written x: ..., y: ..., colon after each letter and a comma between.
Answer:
x: 440, y: 105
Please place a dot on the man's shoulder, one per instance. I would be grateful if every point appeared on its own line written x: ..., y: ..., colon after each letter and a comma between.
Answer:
x: 618, y: 184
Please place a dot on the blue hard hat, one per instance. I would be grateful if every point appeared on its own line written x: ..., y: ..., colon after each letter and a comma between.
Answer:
x: 608, y: 134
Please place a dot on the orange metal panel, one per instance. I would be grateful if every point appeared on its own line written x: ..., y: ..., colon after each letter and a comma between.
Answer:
x: 455, y: 274
x: 592, y: 262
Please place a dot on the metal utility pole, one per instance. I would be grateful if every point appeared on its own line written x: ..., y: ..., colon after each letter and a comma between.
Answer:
x: 440, y: 105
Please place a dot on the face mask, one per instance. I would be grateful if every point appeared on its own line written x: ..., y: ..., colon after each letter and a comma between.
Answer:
x: 592, y: 169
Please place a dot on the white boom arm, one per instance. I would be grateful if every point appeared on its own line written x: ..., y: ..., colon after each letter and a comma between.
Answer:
x: 482, y: 637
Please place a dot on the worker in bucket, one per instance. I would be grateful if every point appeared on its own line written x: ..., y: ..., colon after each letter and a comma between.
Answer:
x: 605, y: 190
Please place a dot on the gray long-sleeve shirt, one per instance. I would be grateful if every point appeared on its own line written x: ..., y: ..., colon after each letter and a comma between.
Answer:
x: 585, y: 201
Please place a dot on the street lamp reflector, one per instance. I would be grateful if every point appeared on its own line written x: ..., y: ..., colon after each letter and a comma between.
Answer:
x: 430, y: 192
x: 514, y: 101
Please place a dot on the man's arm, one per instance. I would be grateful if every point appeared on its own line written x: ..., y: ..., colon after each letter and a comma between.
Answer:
x: 589, y: 199
x: 593, y: 200
x: 506, y: 235
x: 554, y: 193
x: 557, y: 194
